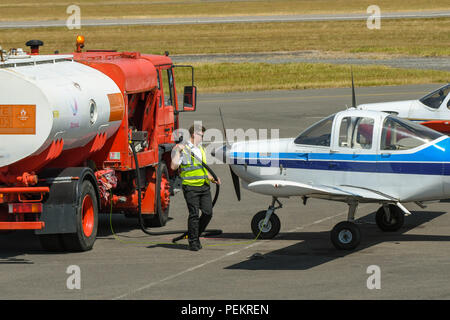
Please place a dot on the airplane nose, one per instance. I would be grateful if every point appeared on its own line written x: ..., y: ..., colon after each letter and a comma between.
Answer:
x: 221, y: 153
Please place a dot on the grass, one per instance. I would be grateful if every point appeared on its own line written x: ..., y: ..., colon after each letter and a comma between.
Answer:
x: 228, y: 77
x: 56, y: 10
x: 417, y: 37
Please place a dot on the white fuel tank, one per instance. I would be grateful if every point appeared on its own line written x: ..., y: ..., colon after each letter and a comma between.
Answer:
x: 47, y: 98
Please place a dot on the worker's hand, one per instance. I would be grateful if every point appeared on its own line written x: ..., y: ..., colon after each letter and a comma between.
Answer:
x: 179, y: 147
x: 216, y: 181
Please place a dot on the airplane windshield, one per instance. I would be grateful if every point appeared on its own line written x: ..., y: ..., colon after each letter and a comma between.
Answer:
x: 400, y: 134
x: 435, y: 98
x: 318, y: 134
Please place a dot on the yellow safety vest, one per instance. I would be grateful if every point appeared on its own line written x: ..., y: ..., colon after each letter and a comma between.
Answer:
x: 193, y: 173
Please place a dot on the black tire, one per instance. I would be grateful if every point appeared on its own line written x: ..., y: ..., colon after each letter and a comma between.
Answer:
x: 345, y: 236
x: 161, y: 216
x: 269, y: 231
x: 86, y: 220
x: 397, y: 218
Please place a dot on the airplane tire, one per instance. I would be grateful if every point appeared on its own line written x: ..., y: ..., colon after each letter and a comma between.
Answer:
x: 345, y: 236
x: 265, y: 232
x: 396, y: 220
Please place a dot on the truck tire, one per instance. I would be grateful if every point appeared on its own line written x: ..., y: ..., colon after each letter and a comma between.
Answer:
x: 162, y: 198
x: 86, y: 220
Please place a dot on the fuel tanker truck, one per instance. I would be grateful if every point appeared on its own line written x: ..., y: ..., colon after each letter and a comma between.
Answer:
x: 76, y: 133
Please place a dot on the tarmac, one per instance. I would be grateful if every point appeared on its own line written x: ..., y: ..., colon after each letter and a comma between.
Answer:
x: 300, y: 263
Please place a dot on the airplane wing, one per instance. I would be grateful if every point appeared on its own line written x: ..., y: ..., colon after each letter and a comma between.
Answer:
x: 282, y: 188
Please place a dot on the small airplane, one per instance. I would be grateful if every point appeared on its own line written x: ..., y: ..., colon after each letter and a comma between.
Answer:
x: 432, y: 110
x: 353, y: 156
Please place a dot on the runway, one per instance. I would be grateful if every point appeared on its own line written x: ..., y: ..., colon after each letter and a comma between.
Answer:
x: 224, y: 19
x: 300, y: 263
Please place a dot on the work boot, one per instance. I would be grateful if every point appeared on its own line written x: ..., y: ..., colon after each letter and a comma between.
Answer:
x: 195, y: 246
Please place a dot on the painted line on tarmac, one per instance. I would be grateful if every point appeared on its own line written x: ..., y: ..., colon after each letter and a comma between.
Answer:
x: 173, y: 276
x: 184, y: 271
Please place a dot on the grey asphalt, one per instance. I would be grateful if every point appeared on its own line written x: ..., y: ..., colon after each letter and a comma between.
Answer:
x: 300, y: 263
x: 224, y: 19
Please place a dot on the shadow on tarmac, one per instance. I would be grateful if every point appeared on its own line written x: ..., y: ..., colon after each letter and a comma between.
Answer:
x: 316, y: 245
x: 318, y: 248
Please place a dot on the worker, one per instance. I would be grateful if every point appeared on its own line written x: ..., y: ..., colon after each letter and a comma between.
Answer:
x: 195, y: 183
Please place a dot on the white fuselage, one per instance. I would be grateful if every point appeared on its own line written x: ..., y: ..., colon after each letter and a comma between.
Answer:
x: 417, y: 174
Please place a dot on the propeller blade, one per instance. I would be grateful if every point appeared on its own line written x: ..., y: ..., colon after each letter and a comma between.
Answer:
x: 353, y: 92
x: 236, y: 184
x: 224, y: 130
x: 225, y: 148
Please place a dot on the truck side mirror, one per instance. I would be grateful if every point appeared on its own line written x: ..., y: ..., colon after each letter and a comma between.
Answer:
x: 190, y: 98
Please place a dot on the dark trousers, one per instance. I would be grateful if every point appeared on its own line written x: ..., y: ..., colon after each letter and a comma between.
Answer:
x: 197, y: 198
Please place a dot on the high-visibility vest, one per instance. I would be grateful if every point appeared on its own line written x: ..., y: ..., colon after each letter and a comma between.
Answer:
x: 193, y: 173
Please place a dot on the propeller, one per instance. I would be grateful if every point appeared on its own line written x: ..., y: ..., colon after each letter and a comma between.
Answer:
x: 234, y: 176
x: 353, y: 92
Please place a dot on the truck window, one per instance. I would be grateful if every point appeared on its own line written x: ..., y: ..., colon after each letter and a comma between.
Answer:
x: 167, y: 83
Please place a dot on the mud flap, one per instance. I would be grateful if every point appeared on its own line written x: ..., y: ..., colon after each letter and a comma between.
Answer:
x: 60, y: 209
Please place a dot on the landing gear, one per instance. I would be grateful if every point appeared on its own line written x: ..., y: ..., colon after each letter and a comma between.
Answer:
x: 346, y: 234
x: 266, y: 224
x: 389, y: 218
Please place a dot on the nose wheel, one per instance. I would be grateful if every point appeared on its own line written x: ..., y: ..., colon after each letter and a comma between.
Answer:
x: 266, y: 224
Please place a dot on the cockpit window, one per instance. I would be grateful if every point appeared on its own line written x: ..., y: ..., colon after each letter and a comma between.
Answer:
x: 317, y: 135
x: 435, y: 98
x: 399, y: 134
x: 356, y: 133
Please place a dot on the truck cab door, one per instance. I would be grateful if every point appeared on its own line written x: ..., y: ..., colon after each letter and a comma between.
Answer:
x: 167, y: 104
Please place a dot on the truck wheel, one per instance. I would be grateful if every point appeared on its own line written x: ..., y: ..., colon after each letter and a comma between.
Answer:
x: 86, y: 220
x: 162, y: 198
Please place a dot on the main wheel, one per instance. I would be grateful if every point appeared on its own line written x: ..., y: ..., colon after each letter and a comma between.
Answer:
x: 392, y: 223
x: 345, y: 236
x: 265, y: 231
x: 162, y: 198
x: 86, y: 221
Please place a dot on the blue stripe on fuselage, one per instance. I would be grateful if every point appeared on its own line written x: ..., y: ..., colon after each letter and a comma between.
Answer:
x: 429, y: 161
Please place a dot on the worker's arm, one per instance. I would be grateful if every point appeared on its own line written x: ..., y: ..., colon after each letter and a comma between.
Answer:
x: 176, y: 155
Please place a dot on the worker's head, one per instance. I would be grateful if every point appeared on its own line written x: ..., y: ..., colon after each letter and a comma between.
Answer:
x: 196, y: 131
